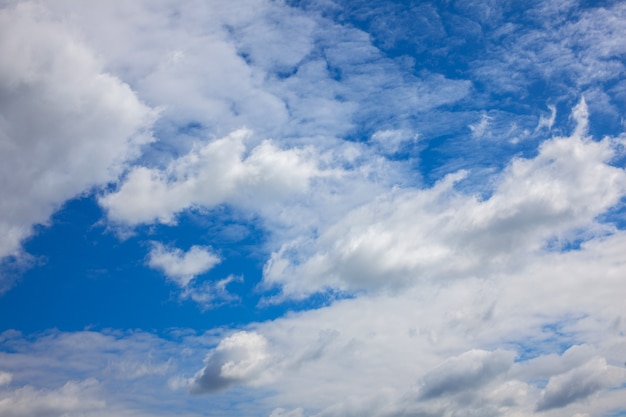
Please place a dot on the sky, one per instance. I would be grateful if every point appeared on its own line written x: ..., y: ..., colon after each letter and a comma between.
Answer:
x: 312, y: 208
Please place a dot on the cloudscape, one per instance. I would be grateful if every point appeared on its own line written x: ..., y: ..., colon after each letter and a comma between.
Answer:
x: 312, y: 208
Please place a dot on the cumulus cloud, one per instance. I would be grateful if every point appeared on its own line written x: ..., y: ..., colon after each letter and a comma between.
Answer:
x: 66, y: 124
x: 447, y: 284
x: 408, y: 235
x: 222, y: 171
x: 182, y: 267
x: 239, y: 358
x: 578, y: 384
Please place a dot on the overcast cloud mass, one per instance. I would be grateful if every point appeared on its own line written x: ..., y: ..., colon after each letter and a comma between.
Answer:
x: 312, y: 208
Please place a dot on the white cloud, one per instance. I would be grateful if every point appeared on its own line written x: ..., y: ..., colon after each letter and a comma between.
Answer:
x: 96, y: 374
x: 238, y: 358
x: 431, y: 348
x: 409, y: 236
x: 66, y: 124
x: 71, y: 399
x: 211, y: 294
x: 222, y: 171
x: 580, y: 51
x: 182, y: 267
x: 448, y: 286
x: 578, y: 384
x: 479, y: 129
x: 466, y: 372
x: 391, y: 141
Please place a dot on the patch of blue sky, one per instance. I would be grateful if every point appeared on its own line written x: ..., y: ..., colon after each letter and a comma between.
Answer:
x: 91, y: 291
x: 554, y: 338
x: 615, y: 216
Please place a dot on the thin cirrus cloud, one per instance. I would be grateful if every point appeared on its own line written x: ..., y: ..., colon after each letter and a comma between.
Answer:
x: 427, y: 202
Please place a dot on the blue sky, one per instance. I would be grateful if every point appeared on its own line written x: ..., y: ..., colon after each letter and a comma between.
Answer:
x: 312, y: 208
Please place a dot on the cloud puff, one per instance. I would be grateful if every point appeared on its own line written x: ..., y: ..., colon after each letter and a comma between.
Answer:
x: 238, y: 358
x: 222, y: 171
x: 577, y: 384
x: 182, y: 267
x: 66, y: 124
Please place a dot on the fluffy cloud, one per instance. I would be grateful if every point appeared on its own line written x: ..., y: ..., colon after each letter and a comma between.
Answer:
x: 182, y: 267
x: 407, y: 236
x: 578, y: 384
x: 430, y: 349
x: 222, y: 171
x: 462, y: 298
x: 66, y: 124
x: 238, y: 358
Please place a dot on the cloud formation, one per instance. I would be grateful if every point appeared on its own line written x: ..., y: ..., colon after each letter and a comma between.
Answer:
x: 577, y: 384
x: 67, y: 125
x: 408, y: 236
x: 239, y: 358
x: 440, y: 212
x: 468, y: 371
x: 182, y: 267
x: 221, y: 171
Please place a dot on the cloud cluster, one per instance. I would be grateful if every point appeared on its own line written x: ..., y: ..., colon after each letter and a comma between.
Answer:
x: 408, y: 236
x: 66, y: 126
x: 452, y: 292
x: 183, y: 268
x: 221, y: 171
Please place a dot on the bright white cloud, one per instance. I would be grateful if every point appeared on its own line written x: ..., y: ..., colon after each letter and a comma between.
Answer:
x: 182, y: 267
x: 409, y: 236
x: 222, y: 171
x: 66, y: 125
